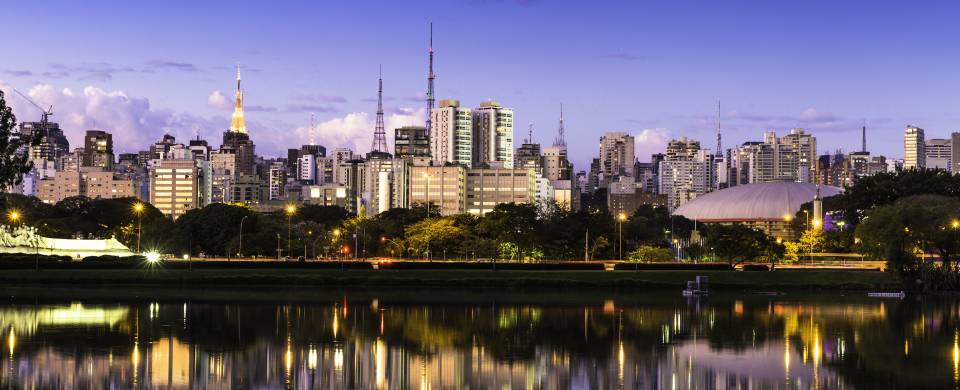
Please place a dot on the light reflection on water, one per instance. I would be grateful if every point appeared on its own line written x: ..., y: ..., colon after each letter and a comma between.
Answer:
x: 375, y: 341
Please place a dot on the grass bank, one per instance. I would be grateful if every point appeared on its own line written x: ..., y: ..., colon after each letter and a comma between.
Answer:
x: 644, y: 279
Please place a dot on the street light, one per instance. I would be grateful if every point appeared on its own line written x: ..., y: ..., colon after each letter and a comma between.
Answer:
x: 336, y: 238
x: 240, y: 249
x: 138, y: 210
x: 290, y: 210
x: 13, y: 216
x: 620, y: 218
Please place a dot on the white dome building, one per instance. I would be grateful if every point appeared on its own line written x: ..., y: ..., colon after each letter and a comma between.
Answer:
x: 767, y: 206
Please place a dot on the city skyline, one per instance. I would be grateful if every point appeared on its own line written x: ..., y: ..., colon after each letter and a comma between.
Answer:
x: 125, y: 86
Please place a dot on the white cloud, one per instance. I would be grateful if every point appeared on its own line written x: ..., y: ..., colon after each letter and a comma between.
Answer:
x: 218, y: 100
x: 650, y: 141
x: 353, y: 130
x: 132, y: 121
x: 135, y: 124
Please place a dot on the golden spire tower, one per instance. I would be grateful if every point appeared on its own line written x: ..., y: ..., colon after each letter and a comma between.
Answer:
x: 237, y: 123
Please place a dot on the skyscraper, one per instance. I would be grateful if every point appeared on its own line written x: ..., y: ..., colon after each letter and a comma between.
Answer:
x: 955, y: 157
x: 237, y: 137
x: 914, y: 155
x: 493, y: 136
x: 617, y: 154
x: 803, y: 146
x: 98, y: 149
x: 684, y: 172
x: 451, y: 137
x: 938, y: 154
x: 411, y: 142
x: 53, y: 144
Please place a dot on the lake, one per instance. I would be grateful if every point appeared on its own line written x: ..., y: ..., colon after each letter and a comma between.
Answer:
x: 68, y: 337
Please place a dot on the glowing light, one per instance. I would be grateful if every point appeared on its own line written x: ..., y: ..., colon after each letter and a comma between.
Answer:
x: 312, y: 358
x: 338, y: 358
x: 290, y: 209
x: 11, y: 341
x: 787, y: 217
x: 186, y: 257
x: 288, y: 359
x: 13, y: 215
x: 138, y: 207
x: 152, y: 257
x: 956, y: 357
x: 621, y: 217
x: 955, y: 224
x: 817, y: 223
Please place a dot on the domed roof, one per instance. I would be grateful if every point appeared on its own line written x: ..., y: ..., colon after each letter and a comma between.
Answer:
x: 752, y: 202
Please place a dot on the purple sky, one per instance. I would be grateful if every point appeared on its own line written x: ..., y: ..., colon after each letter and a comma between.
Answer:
x: 653, y: 69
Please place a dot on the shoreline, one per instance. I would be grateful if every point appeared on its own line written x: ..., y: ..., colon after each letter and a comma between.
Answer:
x: 753, y: 281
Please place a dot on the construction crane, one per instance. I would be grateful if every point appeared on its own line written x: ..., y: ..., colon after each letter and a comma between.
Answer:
x: 46, y: 112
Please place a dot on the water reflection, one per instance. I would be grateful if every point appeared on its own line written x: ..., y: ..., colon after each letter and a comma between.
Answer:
x: 372, y: 341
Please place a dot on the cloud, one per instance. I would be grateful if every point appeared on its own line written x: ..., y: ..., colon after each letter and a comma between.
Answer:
x: 133, y: 122
x: 307, y: 97
x: 171, y: 65
x: 353, y: 130
x: 650, y: 141
x: 809, y: 118
x: 309, y: 108
x: 218, y: 100
x: 255, y: 108
x: 96, y: 71
x: 17, y: 72
x: 623, y: 56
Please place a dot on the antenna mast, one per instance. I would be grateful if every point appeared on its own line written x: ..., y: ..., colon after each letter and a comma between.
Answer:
x: 719, y: 144
x: 312, y: 126
x: 560, y: 141
x: 379, y: 134
x: 430, y: 77
x: 863, y: 141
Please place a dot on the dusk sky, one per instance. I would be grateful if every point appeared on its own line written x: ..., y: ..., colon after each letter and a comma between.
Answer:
x: 652, y: 69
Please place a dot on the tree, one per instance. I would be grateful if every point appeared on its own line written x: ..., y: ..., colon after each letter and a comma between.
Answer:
x: 914, y: 224
x: 433, y: 234
x: 511, y: 223
x: 14, y: 158
x: 646, y: 253
x: 737, y: 243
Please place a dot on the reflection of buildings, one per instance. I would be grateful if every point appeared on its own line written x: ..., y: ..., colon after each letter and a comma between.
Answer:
x: 765, y: 344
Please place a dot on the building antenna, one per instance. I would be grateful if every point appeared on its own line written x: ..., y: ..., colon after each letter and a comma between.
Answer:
x: 560, y: 141
x: 719, y: 144
x: 863, y: 139
x: 530, y: 134
x: 430, y: 77
x: 379, y: 134
x: 310, y: 132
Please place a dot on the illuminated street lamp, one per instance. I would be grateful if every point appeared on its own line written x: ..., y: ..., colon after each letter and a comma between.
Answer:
x: 138, y: 210
x: 13, y: 216
x: 289, y: 210
x: 620, y: 218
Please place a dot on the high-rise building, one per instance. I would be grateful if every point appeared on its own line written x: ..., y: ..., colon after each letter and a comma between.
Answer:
x: 617, y: 155
x: 237, y: 137
x: 955, y: 157
x: 411, y: 142
x: 493, y: 136
x: 178, y: 185
x: 451, y: 137
x: 277, y: 180
x: 802, y: 147
x: 685, y: 172
x: 223, y: 174
x: 199, y: 149
x: 528, y: 157
x: 98, y: 149
x: 53, y: 144
x: 914, y: 155
x: 488, y: 187
x: 938, y: 154
x: 443, y: 188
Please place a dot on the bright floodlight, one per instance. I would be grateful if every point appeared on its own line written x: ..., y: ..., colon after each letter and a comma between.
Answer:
x: 138, y: 207
x: 291, y: 209
x: 152, y: 257
x: 14, y: 216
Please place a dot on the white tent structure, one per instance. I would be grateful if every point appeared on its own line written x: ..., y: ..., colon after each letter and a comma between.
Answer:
x: 26, y: 240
